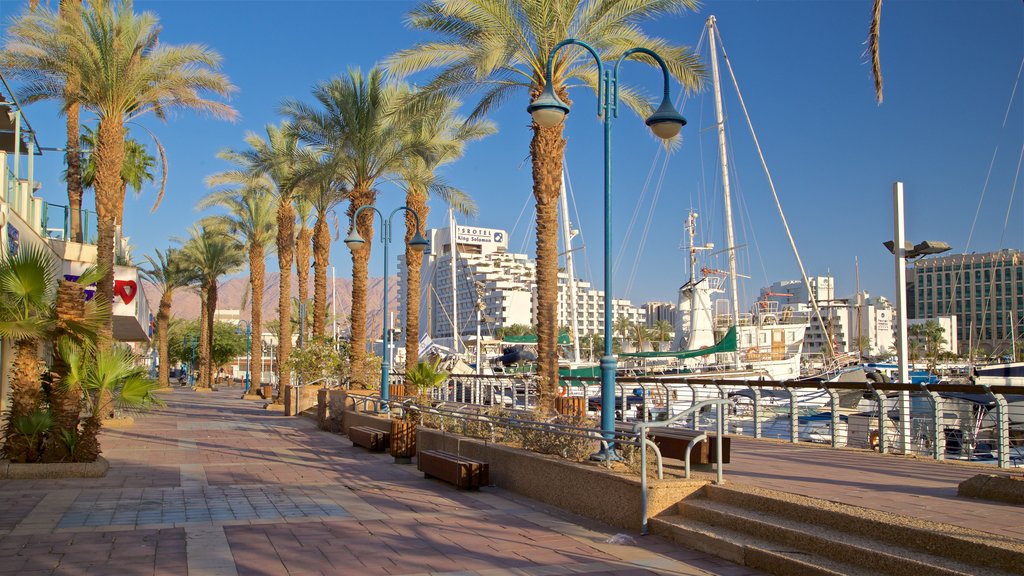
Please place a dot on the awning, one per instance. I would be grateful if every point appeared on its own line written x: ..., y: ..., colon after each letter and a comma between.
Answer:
x: 726, y: 344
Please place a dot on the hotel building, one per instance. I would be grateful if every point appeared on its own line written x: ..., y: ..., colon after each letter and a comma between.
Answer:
x: 501, y: 283
x: 985, y: 293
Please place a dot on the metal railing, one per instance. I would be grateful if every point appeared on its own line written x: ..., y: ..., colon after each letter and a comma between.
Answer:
x: 55, y: 222
x: 948, y: 421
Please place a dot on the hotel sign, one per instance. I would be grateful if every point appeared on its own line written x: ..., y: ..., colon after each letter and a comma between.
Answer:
x: 472, y: 235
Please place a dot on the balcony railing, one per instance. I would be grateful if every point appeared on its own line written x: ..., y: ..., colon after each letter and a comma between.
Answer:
x: 56, y: 223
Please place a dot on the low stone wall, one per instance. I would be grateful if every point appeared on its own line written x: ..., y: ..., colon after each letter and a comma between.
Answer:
x: 307, y: 398
x: 97, y: 469
x: 586, y: 489
x: 994, y: 487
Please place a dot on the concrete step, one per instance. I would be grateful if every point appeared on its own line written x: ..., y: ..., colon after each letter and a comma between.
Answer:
x: 747, y: 550
x: 817, y: 542
x: 954, y: 545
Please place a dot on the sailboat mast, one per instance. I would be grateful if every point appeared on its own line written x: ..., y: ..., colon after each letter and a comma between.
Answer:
x: 456, y: 339
x: 730, y: 239
x: 691, y: 225
x: 571, y: 272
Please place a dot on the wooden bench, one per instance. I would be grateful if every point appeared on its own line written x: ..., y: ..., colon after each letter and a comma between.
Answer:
x: 464, y: 473
x: 672, y: 443
x: 372, y: 439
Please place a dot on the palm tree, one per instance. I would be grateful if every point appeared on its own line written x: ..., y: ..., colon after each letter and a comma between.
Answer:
x: 251, y: 219
x: 124, y: 72
x: 135, y: 169
x: 356, y: 125
x: 303, y: 246
x: 447, y: 135
x: 624, y: 326
x: 278, y: 161
x: 211, y: 252
x: 29, y: 314
x: 168, y: 273
x: 323, y: 195
x: 662, y: 331
x: 501, y: 48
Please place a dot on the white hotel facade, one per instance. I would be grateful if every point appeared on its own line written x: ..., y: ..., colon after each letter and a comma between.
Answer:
x: 502, y: 282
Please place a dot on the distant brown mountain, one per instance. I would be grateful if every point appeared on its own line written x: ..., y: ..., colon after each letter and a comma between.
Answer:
x: 230, y: 293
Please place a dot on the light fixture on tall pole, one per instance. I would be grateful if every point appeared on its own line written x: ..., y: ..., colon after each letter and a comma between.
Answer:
x: 548, y: 111
x: 417, y: 243
x: 902, y: 250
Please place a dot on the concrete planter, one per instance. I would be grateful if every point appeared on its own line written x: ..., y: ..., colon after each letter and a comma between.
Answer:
x: 97, y: 469
x: 586, y: 489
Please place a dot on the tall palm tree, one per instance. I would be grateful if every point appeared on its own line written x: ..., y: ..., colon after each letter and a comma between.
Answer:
x: 211, y: 251
x: 447, y: 135
x: 124, y: 72
x: 279, y: 161
x: 303, y: 247
x: 167, y: 272
x: 356, y: 125
x: 501, y: 48
x: 323, y: 194
x: 251, y: 218
x: 136, y: 169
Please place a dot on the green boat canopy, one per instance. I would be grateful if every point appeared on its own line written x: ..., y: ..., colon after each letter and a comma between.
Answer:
x: 726, y: 344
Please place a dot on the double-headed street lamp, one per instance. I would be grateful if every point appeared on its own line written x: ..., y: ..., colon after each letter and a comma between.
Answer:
x: 548, y: 111
x: 418, y: 243
x: 248, y: 349
x: 902, y: 250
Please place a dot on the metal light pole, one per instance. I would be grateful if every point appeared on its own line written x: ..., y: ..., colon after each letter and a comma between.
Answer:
x: 547, y: 111
x: 902, y: 250
x: 248, y: 350
x: 417, y: 243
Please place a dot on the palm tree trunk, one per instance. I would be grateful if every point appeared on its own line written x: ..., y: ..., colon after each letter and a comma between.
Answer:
x: 25, y: 396
x: 547, y: 148
x: 360, y: 271
x: 302, y: 250
x: 417, y: 200
x: 65, y: 403
x: 109, y: 155
x: 163, y: 317
x: 321, y: 256
x: 211, y: 311
x: 285, y: 247
x: 256, y: 272
x: 74, y: 157
x: 202, y: 368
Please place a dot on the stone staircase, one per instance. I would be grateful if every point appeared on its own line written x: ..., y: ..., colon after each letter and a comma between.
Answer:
x: 787, y: 534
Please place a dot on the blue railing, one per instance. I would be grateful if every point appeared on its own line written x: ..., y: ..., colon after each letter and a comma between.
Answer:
x: 56, y: 223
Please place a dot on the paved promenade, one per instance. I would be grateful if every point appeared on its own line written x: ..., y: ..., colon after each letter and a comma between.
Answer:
x: 210, y: 485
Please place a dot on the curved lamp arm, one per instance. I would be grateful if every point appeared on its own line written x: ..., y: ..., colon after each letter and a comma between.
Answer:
x: 548, y: 109
x: 666, y: 121
x: 354, y: 240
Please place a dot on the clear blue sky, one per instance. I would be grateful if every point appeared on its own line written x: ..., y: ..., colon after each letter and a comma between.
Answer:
x: 949, y: 69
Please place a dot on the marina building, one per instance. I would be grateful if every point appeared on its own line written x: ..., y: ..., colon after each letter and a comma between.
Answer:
x: 985, y: 292
x: 498, y: 284
x: 860, y: 324
x: 660, y: 311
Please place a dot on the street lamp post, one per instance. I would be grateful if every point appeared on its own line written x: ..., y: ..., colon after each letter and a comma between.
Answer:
x: 903, y: 250
x: 418, y: 243
x: 248, y: 351
x: 547, y: 111
x: 191, y: 342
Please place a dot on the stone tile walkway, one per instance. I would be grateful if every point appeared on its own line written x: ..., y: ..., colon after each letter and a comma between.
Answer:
x: 212, y: 485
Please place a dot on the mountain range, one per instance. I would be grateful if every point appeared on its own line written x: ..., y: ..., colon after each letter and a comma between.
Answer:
x: 231, y: 292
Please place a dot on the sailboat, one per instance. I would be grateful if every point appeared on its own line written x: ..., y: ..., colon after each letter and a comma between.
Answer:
x: 765, y: 342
